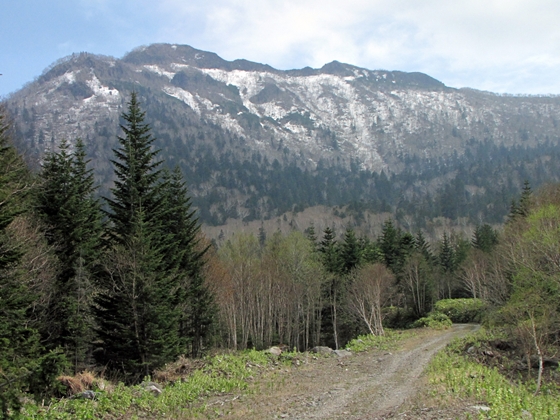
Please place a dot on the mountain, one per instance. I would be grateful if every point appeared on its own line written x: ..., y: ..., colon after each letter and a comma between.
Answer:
x: 254, y: 141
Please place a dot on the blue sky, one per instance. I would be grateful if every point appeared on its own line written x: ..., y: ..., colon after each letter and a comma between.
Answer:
x: 506, y: 46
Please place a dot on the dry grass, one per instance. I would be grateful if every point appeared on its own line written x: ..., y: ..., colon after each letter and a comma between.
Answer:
x: 178, y: 370
x: 80, y: 382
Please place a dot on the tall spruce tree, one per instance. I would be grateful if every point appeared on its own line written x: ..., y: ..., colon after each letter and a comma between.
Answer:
x: 72, y: 215
x: 423, y: 247
x: 137, y: 311
x: 484, y: 238
x: 332, y: 264
x: 185, y: 254
x: 350, y: 252
x: 395, y: 246
x: 18, y: 343
x: 23, y: 366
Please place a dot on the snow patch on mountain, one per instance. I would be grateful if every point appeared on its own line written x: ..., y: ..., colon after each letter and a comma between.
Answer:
x: 158, y: 70
x: 184, y: 96
x: 106, y: 93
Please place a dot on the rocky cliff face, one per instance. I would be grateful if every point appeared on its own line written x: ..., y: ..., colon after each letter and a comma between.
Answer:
x: 336, y: 116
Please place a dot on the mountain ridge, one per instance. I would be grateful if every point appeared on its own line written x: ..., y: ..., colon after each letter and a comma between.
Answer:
x: 245, y: 133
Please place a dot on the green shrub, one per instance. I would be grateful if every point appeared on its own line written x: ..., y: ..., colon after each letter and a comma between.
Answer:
x: 380, y: 342
x: 461, y: 310
x: 435, y: 320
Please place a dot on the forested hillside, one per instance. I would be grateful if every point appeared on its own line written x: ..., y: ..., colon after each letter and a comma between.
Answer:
x: 255, y: 142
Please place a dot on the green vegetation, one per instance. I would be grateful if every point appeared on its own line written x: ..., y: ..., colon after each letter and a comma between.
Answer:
x: 389, y: 341
x: 131, y: 289
x: 222, y: 373
x: 461, y: 310
x: 453, y: 374
x: 185, y: 396
x: 435, y: 320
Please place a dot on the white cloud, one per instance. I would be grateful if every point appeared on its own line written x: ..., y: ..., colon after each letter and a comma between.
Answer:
x: 497, y: 45
x: 461, y: 41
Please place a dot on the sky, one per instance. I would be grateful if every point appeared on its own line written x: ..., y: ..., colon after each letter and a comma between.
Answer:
x: 503, y: 46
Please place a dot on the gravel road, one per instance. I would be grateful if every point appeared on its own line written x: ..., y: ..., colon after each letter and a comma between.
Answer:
x: 370, y: 385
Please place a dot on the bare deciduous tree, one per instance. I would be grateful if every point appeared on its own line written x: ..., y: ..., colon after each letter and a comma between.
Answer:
x: 371, y: 287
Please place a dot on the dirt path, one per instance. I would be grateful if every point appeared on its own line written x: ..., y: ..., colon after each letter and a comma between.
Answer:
x: 370, y: 385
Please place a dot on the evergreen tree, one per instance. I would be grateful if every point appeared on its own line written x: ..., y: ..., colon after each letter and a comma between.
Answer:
x: 23, y: 367
x: 447, y: 264
x: 136, y: 191
x: 525, y: 200
x: 262, y: 235
x: 446, y: 255
x: 350, y: 252
x: 484, y: 238
x: 137, y: 311
x: 19, y: 344
x: 73, y: 218
x: 389, y: 245
x: 395, y: 246
x: 332, y: 264
x: 311, y: 235
x: 185, y: 254
x: 329, y: 252
x: 423, y: 247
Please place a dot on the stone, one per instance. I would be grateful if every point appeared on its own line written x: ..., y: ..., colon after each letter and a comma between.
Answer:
x: 342, y: 353
x: 322, y: 350
x: 277, y: 351
x: 480, y: 407
x: 88, y: 395
x: 153, y: 387
x: 525, y: 415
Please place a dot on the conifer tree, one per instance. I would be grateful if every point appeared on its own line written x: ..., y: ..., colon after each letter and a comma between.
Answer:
x: 522, y: 208
x: 350, y: 251
x: 185, y: 254
x: 18, y: 343
x: 311, y: 235
x: 389, y: 244
x: 525, y: 200
x: 329, y: 250
x: 447, y: 264
x: 137, y: 311
x: 262, y: 235
x: 395, y: 246
x: 72, y: 215
x: 446, y: 255
x: 332, y: 288
x: 484, y: 238
x: 22, y: 364
x: 423, y: 247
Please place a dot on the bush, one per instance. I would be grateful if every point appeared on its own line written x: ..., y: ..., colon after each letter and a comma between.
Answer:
x: 461, y: 310
x: 397, y: 318
x: 435, y: 320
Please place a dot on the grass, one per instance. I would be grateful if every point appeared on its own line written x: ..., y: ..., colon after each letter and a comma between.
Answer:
x: 183, y: 399
x: 187, y: 396
x: 453, y: 376
x: 389, y: 341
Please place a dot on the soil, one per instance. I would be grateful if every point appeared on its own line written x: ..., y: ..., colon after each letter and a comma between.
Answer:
x: 368, y: 385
